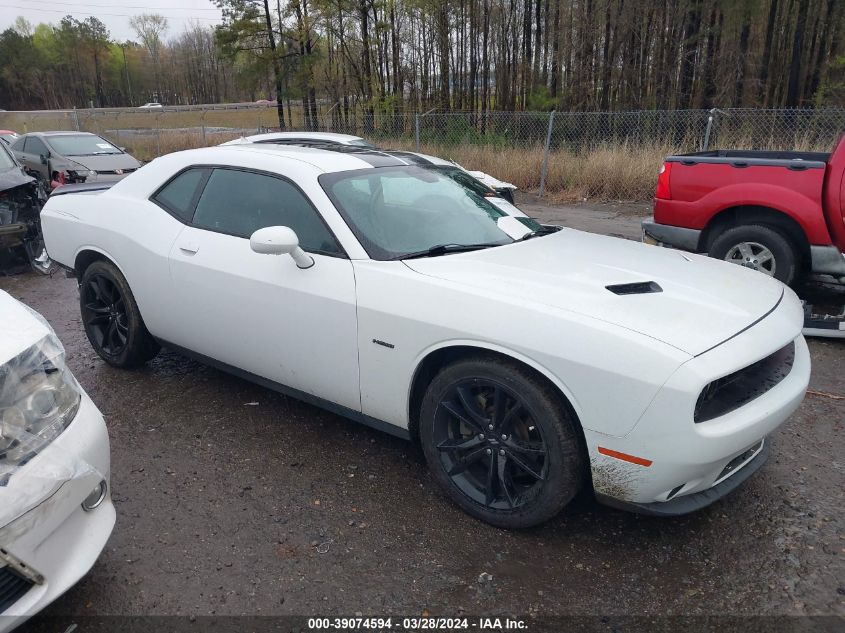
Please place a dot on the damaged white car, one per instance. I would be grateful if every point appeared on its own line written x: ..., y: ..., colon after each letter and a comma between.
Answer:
x: 529, y: 362
x: 55, y: 510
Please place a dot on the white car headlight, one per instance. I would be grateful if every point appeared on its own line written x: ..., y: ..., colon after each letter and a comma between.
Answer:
x: 39, y: 397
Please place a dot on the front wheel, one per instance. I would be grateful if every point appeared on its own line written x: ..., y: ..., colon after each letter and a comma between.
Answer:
x: 500, y: 442
x: 759, y: 248
x: 111, y: 317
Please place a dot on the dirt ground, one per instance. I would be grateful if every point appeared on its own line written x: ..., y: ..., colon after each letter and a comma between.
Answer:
x: 233, y: 499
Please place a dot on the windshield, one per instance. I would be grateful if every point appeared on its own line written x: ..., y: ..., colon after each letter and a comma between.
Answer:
x: 399, y: 211
x: 6, y: 161
x: 81, y: 145
x: 463, y: 178
x: 362, y: 143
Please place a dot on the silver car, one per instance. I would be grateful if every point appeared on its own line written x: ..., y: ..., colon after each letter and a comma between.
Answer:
x: 67, y: 157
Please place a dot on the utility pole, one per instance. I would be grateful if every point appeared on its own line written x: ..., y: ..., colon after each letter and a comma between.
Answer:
x: 126, y: 71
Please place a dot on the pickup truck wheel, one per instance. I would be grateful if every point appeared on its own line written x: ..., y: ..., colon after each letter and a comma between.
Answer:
x: 500, y: 442
x: 760, y: 248
x: 111, y: 317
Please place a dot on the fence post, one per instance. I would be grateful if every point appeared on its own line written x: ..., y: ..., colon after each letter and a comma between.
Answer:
x: 707, y: 131
x: 158, y: 134
x: 546, y: 154
x: 417, y: 130
x: 202, y: 119
x: 76, y: 118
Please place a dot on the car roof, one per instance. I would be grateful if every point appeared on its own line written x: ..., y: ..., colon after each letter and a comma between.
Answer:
x: 326, y: 159
x: 406, y: 156
x: 315, y: 136
x: 59, y: 133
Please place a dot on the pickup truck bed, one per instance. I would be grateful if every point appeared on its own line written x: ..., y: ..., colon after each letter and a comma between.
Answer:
x: 743, y: 157
x: 780, y: 212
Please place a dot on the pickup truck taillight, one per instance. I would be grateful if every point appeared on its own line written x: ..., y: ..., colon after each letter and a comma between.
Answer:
x: 663, y: 190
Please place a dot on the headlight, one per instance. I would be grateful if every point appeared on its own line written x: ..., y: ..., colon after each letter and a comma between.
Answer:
x: 39, y: 398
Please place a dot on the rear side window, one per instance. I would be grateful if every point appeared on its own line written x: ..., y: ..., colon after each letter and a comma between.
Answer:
x: 178, y: 197
x: 241, y: 202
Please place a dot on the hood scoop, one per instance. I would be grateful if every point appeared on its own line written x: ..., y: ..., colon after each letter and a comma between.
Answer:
x: 637, y: 288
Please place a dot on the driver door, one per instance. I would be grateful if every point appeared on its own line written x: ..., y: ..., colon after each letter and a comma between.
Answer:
x: 261, y: 313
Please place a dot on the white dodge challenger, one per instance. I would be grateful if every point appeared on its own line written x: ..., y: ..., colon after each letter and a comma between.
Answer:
x: 529, y: 363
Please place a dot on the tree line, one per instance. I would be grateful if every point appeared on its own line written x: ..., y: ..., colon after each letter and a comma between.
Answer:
x: 415, y: 55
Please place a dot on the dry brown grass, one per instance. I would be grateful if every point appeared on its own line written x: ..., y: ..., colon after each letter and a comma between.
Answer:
x: 619, y: 172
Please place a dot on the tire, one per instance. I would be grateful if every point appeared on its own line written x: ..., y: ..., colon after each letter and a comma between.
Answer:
x: 748, y: 246
x: 465, y: 456
x: 111, y: 317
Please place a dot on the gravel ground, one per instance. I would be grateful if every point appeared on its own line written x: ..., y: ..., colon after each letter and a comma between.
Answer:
x: 233, y: 499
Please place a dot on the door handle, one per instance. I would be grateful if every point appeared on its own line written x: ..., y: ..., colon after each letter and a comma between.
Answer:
x: 189, y: 247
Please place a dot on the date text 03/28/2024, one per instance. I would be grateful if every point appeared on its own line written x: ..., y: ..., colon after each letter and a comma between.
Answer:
x: 376, y: 624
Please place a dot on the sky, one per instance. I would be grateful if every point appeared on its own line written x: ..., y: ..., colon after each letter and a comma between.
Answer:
x: 114, y: 14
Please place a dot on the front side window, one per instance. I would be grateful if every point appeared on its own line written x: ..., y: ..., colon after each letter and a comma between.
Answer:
x: 241, y: 202
x: 18, y: 144
x: 34, y: 145
x: 397, y: 211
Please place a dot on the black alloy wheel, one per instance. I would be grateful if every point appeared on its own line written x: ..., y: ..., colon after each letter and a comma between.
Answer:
x: 489, y: 444
x: 501, y: 441
x: 104, y: 314
x: 111, y: 317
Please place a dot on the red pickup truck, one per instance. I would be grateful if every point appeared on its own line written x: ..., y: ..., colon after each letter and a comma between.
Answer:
x: 782, y: 213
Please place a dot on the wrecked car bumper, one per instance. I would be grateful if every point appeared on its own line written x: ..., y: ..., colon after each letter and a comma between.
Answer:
x: 677, y: 458
x: 54, y: 540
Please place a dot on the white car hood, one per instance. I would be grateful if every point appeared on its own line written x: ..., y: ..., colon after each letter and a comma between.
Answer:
x: 703, y: 301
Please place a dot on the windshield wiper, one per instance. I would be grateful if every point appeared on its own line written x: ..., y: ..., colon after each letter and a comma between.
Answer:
x: 443, y: 249
x: 543, y: 230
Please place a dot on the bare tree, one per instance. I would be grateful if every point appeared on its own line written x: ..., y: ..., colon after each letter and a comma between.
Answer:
x: 150, y: 27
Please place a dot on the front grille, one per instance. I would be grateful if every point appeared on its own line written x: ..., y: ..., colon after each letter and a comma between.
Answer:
x: 741, y: 387
x: 12, y: 587
x: 113, y: 172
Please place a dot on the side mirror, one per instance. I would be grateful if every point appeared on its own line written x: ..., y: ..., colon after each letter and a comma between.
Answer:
x: 44, y: 158
x: 280, y: 240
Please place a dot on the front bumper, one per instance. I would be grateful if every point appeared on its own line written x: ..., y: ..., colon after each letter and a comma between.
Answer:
x: 55, y: 539
x: 98, y: 177
x: 697, y: 500
x: 674, y: 236
x: 680, y: 458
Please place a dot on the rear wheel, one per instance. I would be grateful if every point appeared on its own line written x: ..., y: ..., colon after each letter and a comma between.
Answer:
x: 500, y: 442
x: 111, y: 317
x: 761, y: 248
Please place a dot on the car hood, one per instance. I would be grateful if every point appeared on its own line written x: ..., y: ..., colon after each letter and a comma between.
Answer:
x: 13, y: 177
x: 702, y: 301
x: 104, y: 162
x: 20, y: 329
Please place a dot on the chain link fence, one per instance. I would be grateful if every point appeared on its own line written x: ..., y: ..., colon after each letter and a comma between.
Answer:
x: 572, y: 155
